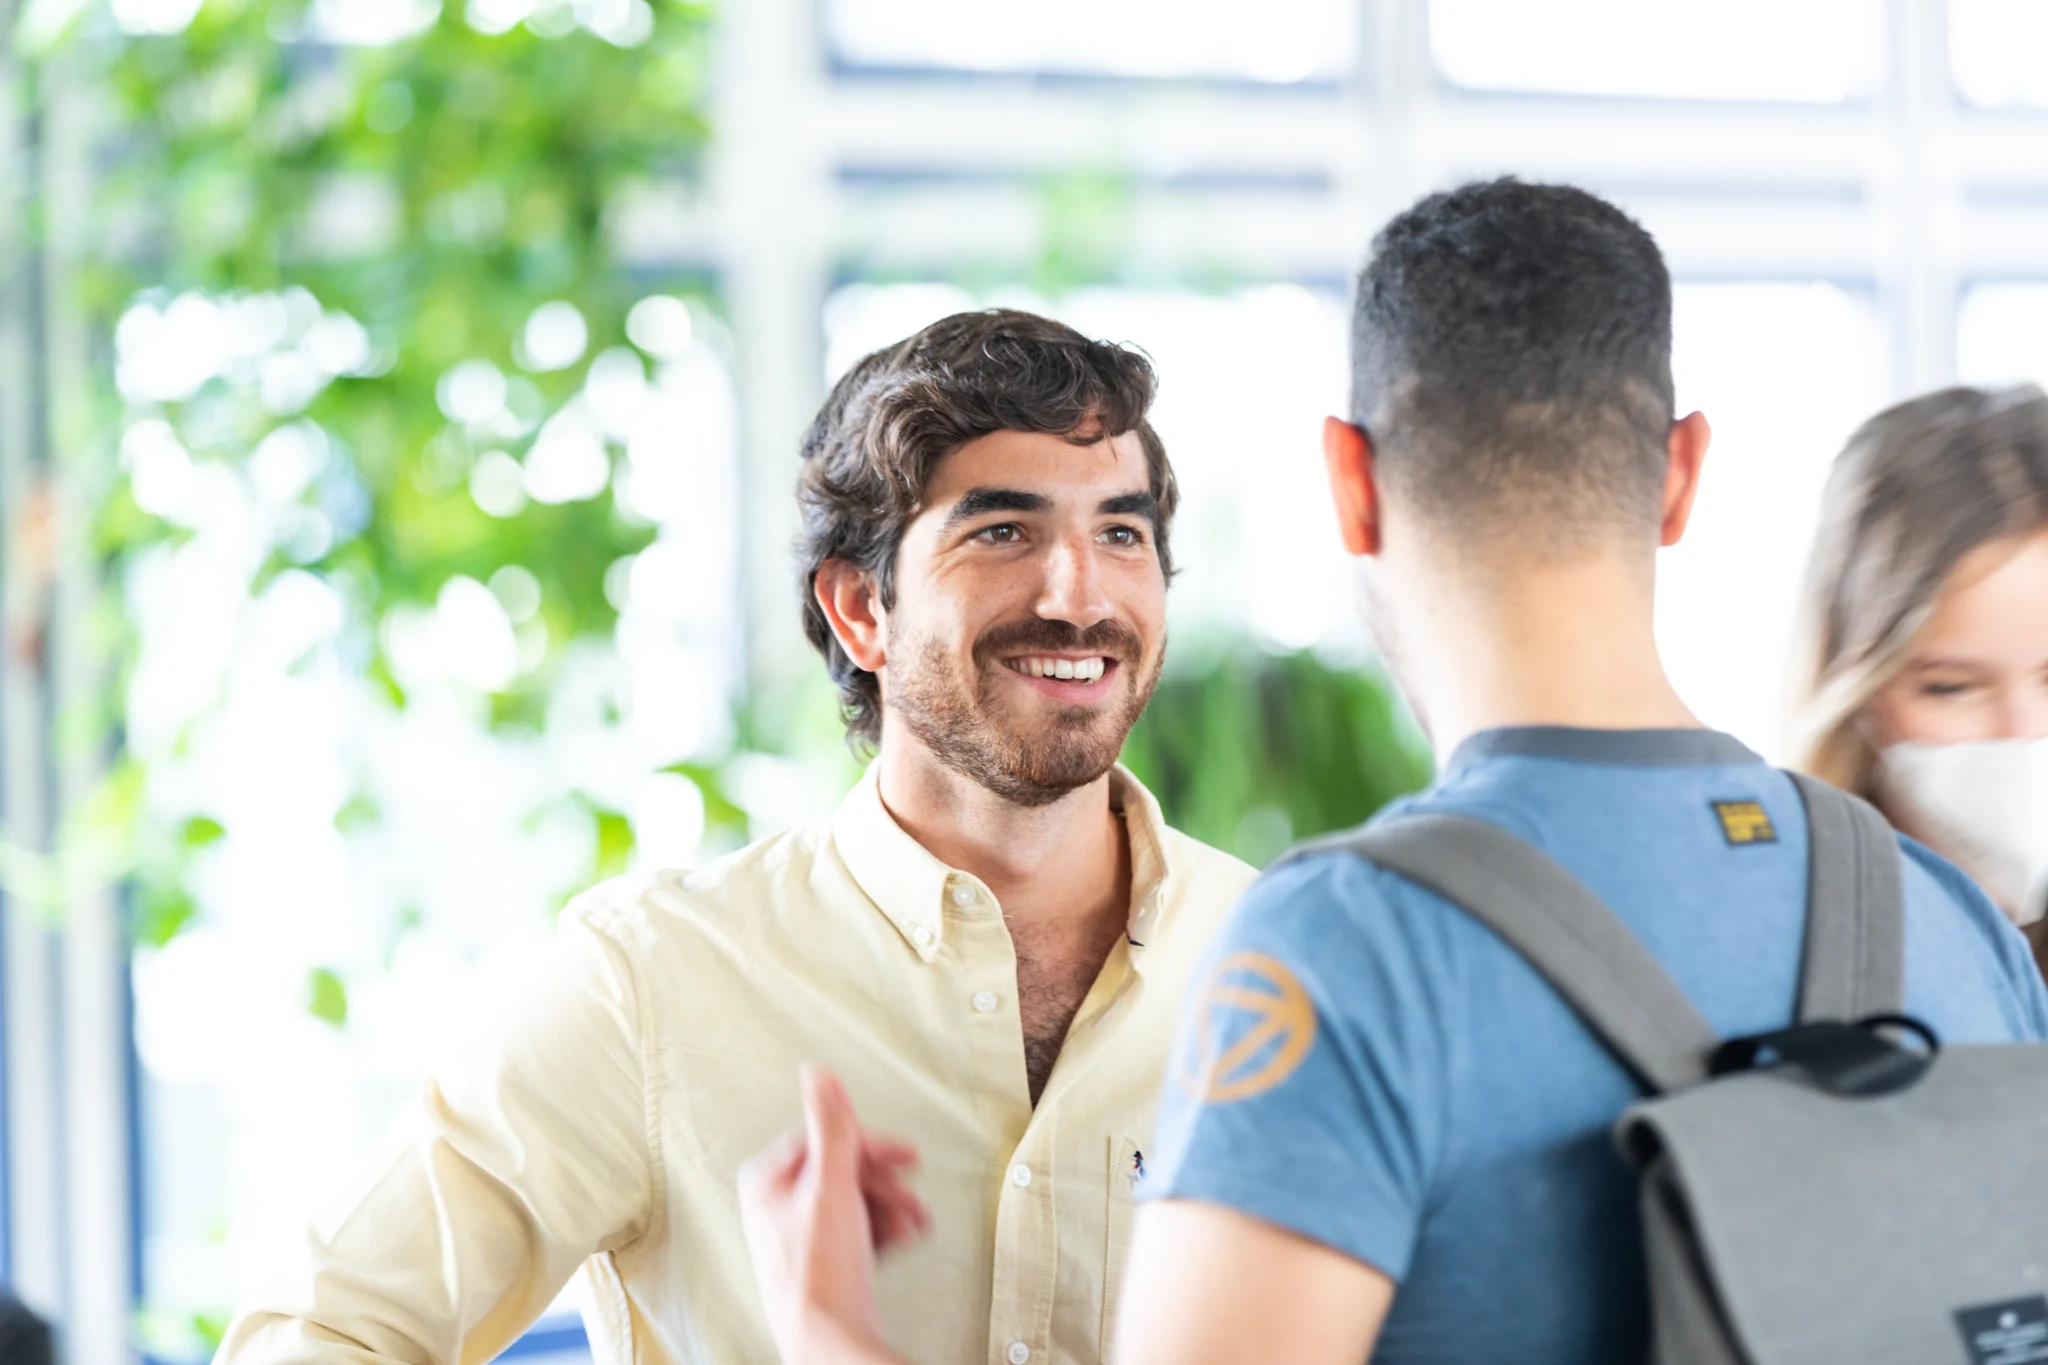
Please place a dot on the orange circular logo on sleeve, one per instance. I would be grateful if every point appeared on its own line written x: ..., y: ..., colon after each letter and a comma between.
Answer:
x: 1256, y: 1025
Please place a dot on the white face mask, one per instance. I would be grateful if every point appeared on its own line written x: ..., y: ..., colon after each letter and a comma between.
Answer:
x: 1982, y: 805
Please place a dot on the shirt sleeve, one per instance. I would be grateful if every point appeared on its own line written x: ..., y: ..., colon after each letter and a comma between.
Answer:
x: 1306, y: 1081
x: 2018, y: 988
x: 481, y: 1201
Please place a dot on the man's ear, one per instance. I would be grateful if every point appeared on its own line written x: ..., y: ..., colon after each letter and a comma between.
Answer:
x: 854, y: 610
x: 1686, y: 454
x: 1347, y: 453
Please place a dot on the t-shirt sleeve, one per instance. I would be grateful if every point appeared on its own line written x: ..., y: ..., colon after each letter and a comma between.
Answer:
x: 1306, y: 1084
x: 2021, y: 995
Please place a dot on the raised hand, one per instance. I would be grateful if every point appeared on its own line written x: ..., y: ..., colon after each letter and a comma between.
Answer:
x: 819, y: 1206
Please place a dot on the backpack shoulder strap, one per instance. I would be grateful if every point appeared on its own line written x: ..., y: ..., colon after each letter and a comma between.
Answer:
x: 1853, y: 963
x: 1560, y: 927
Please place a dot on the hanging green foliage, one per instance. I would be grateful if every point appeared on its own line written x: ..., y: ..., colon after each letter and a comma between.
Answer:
x: 398, y: 213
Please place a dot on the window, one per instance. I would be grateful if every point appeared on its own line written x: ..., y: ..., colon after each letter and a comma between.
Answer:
x: 1292, y: 40
x: 2000, y: 338
x: 1815, y: 52
x: 1784, y: 372
x: 1995, y: 49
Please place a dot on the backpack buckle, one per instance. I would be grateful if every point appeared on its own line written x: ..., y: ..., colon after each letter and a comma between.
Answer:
x: 1857, y: 1060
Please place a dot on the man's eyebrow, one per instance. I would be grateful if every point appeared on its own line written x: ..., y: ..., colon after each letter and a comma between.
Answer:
x: 1144, y: 505
x: 977, y: 502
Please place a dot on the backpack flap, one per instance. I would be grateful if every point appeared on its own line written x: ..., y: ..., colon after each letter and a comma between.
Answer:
x: 1811, y: 1228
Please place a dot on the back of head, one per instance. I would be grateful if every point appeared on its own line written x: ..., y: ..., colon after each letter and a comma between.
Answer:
x: 1511, y: 362
x: 1917, y: 488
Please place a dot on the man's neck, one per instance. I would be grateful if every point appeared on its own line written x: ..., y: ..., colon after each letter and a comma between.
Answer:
x: 1540, y: 644
x: 1064, y: 863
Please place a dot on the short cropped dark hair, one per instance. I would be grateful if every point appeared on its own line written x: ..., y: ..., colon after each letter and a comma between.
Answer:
x: 1511, y: 360
x: 873, y: 447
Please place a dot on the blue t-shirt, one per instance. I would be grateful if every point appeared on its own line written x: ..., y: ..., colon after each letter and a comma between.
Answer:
x: 1365, y: 1065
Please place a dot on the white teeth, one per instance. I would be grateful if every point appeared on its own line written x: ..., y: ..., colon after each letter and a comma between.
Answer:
x: 1066, y: 670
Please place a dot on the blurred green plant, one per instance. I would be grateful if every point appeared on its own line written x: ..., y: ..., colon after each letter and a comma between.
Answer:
x: 436, y: 191
x: 424, y: 229
x: 1251, y: 751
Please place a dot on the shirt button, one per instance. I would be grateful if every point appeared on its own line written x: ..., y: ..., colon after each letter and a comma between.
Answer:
x: 963, y: 896
x: 921, y: 936
x: 984, y: 1001
x: 1020, y: 1175
x: 1019, y: 1353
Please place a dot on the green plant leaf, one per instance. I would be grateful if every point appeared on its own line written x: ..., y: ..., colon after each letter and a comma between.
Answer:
x: 326, y: 997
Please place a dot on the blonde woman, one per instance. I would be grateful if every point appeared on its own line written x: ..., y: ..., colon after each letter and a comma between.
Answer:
x: 1926, y: 686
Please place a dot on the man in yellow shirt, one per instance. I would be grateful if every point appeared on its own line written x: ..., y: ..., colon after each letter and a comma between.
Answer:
x: 988, y: 941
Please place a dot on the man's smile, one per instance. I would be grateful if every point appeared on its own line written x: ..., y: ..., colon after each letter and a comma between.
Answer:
x: 1067, y: 677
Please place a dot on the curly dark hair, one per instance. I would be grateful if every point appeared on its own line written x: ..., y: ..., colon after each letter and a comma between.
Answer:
x: 872, y: 449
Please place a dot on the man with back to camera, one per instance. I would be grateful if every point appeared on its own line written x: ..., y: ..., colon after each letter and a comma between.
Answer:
x: 1431, y: 1178
x: 1383, y: 1134
x: 988, y: 941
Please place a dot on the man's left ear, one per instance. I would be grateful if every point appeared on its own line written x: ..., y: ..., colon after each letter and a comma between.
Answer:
x: 1347, y: 456
x: 1685, y: 455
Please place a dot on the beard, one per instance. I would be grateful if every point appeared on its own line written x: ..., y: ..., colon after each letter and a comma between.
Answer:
x: 956, y: 715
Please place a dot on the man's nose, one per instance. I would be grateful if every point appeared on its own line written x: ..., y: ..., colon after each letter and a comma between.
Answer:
x: 1073, y: 590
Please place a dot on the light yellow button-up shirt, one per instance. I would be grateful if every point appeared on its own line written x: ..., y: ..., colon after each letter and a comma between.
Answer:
x: 604, y: 1126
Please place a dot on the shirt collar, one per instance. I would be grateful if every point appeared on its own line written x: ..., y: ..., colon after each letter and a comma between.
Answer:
x: 913, y: 889
x: 1610, y: 748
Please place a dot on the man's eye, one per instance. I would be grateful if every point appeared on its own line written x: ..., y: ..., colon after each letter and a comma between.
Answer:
x: 1125, y: 536
x: 1008, y: 533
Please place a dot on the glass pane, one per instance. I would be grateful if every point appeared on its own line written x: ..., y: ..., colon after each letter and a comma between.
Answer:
x: 1811, y: 51
x: 1292, y: 40
x: 1245, y: 380
x: 1995, y: 49
x: 1784, y: 372
x: 2000, y: 338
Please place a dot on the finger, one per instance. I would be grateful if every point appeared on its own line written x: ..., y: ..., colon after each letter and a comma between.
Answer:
x: 776, y: 1166
x: 888, y: 1151
x: 894, y: 1209
x: 897, y: 1217
x: 831, y: 1131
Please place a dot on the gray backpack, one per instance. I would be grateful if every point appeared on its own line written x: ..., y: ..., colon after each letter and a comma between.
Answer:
x: 1823, y: 1195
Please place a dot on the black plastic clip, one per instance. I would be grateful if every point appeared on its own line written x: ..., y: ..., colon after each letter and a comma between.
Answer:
x: 1858, y: 1060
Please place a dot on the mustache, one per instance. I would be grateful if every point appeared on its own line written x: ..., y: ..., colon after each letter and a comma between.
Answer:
x: 1110, y: 637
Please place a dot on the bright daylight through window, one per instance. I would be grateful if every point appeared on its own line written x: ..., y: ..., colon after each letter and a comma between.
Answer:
x: 1816, y: 51
x: 1293, y: 40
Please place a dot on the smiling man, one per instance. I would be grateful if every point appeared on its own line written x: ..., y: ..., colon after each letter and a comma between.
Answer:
x: 988, y: 940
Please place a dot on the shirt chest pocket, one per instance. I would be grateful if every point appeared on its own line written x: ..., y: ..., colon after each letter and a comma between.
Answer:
x: 1126, y: 1169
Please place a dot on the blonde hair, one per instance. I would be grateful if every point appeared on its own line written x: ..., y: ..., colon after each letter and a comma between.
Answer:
x: 1918, y: 487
